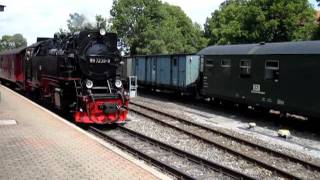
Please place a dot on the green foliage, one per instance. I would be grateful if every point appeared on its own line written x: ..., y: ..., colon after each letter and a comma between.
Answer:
x: 249, y: 21
x: 11, y: 42
x: 151, y: 27
x: 102, y: 22
x: 131, y: 18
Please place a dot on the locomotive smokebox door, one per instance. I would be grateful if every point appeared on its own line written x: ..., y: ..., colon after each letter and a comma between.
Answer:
x: 57, y: 98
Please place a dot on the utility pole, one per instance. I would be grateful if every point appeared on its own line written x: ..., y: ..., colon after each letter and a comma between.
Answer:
x: 2, y: 8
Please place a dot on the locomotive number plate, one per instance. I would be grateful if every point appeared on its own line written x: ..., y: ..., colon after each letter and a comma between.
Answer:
x: 99, y: 61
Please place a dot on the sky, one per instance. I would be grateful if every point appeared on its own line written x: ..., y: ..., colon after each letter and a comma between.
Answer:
x: 42, y: 18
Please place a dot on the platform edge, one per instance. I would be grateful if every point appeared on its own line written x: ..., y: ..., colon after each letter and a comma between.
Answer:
x: 109, y: 146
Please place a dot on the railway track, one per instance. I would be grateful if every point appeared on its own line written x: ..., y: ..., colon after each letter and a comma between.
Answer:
x: 289, y: 166
x: 179, y: 163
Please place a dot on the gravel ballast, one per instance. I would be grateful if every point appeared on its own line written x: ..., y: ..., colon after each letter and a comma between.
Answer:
x: 305, y: 146
x: 191, y: 168
x: 191, y: 145
x: 226, y: 123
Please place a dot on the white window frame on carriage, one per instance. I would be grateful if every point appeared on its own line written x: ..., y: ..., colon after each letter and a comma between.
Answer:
x: 225, y: 63
x: 245, y: 68
x: 272, y: 72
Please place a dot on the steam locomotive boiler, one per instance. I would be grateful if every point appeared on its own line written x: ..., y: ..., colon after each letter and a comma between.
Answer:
x: 79, y: 74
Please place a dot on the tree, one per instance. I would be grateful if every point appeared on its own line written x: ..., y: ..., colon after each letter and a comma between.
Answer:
x: 317, y: 32
x: 151, y: 27
x: 175, y: 33
x: 131, y: 18
x: 11, y: 42
x: 249, y: 21
x: 102, y: 22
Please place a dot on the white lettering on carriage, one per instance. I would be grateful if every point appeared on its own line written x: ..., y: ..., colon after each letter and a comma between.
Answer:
x: 256, y: 89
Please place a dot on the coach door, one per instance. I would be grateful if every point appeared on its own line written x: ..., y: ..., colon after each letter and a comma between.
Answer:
x: 207, y: 66
x: 154, y: 70
x: 28, y: 65
x: 174, y: 70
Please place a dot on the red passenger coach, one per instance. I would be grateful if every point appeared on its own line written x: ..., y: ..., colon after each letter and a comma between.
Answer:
x: 12, y: 66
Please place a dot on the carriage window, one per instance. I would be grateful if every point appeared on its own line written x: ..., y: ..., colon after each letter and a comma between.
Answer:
x: 226, y: 66
x: 245, y: 68
x: 226, y: 63
x: 272, y: 68
x: 209, y: 63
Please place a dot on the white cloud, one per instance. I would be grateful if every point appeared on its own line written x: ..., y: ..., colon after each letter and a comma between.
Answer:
x: 38, y: 18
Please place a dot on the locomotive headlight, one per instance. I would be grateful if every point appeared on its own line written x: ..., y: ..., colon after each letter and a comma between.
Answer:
x: 89, y: 84
x: 102, y: 32
x: 118, y: 84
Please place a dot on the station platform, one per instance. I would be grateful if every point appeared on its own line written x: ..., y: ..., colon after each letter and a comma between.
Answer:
x: 37, y: 144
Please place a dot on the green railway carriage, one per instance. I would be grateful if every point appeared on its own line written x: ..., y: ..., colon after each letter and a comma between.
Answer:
x: 281, y: 76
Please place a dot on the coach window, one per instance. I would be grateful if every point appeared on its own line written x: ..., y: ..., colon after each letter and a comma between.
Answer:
x: 226, y: 63
x: 226, y: 66
x: 272, y: 68
x: 245, y: 68
x: 209, y: 63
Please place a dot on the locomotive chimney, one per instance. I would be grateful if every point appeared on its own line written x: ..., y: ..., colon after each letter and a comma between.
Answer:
x: 2, y: 8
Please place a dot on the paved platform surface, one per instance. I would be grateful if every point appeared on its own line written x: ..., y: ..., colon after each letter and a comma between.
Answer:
x: 41, y: 147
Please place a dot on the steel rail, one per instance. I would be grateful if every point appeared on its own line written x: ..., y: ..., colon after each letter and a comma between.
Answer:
x: 235, y: 138
x: 172, y: 170
x: 222, y: 146
x: 152, y: 160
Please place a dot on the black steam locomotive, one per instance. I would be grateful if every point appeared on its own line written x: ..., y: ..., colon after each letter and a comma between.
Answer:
x: 79, y: 74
